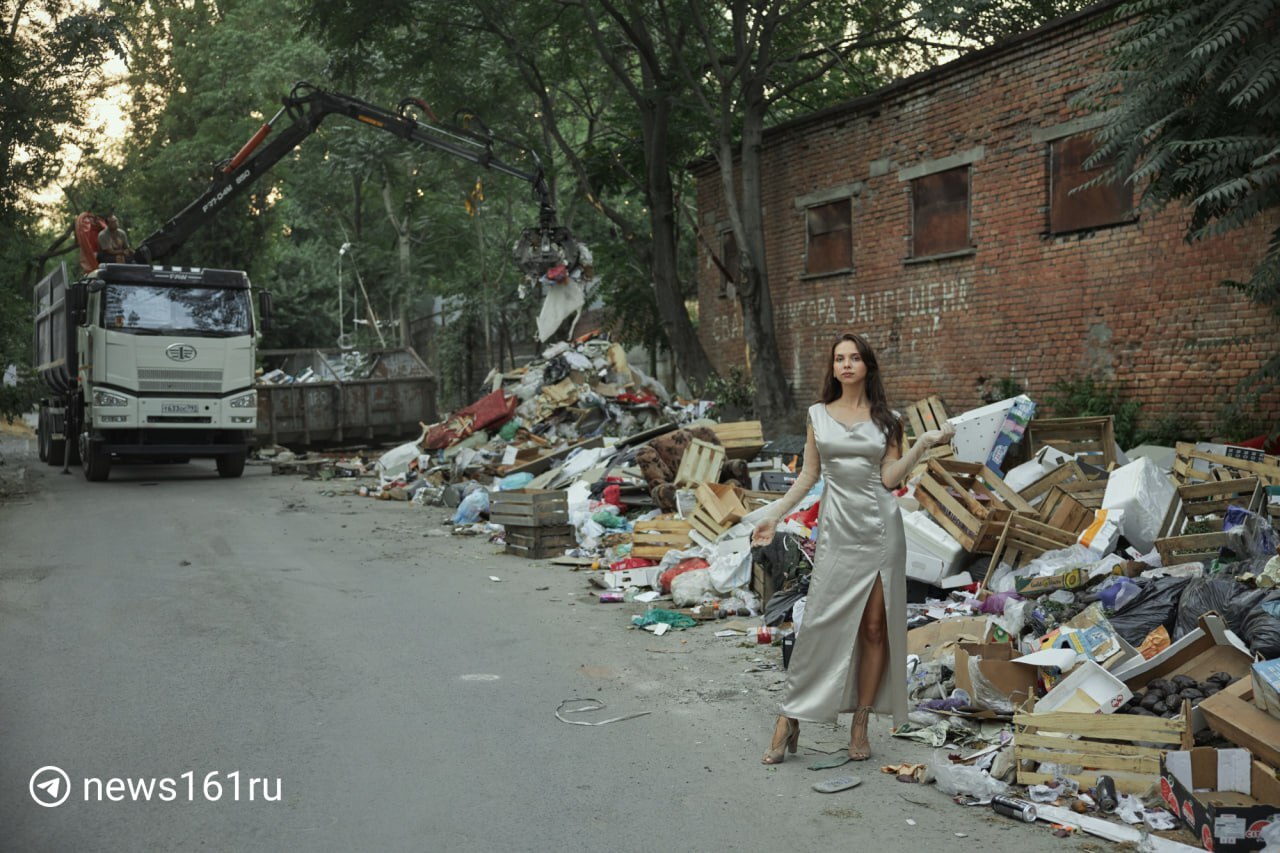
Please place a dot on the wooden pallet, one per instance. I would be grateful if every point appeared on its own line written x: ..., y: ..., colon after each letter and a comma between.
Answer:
x: 1185, y: 470
x: 1114, y: 744
x: 740, y: 439
x: 651, y: 540
x: 1091, y: 440
x: 700, y: 463
x: 529, y: 507
x: 969, y: 501
x: 539, y: 543
x: 1021, y: 541
x: 1204, y: 503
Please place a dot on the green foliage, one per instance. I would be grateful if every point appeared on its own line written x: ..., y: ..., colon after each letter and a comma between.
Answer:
x: 1168, y: 430
x: 734, y: 395
x: 1090, y: 396
x: 1194, y: 94
x: 995, y: 390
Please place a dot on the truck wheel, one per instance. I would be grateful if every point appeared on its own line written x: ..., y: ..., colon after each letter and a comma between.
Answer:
x: 42, y: 436
x: 96, y: 459
x: 231, y: 465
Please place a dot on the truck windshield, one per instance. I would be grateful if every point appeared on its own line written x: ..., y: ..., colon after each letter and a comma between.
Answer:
x: 145, y: 309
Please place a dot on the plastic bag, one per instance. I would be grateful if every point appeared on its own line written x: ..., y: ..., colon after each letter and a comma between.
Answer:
x: 511, y: 482
x: 688, y: 588
x: 953, y: 779
x: 1249, y: 534
x: 1116, y: 593
x: 1155, y: 605
x: 471, y: 507
x: 1260, y: 628
x: 396, y: 460
x: 1226, y: 595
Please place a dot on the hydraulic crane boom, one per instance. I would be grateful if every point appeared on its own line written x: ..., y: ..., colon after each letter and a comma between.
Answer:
x: 307, y: 106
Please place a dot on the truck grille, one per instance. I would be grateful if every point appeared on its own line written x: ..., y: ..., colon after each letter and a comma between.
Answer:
x: 179, y: 380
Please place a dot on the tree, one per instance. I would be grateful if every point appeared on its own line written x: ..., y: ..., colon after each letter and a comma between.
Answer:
x: 1194, y: 94
x: 51, y: 58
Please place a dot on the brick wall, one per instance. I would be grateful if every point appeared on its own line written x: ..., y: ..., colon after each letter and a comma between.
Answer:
x: 1133, y: 303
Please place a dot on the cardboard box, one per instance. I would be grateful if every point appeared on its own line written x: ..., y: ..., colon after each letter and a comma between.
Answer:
x: 927, y: 641
x: 1016, y: 682
x: 1208, y: 649
x: 1224, y: 797
x: 1266, y: 686
x: 1232, y: 714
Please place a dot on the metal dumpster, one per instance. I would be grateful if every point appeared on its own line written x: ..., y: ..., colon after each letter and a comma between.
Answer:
x: 345, y: 398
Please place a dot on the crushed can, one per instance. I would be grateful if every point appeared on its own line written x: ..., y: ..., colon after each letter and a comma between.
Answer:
x: 1105, y: 791
x: 1014, y: 808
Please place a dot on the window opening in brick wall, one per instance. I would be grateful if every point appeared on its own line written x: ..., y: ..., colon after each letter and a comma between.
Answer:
x: 940, y: 213
x: 829, y: 237
x: 1104, y: 204
x: 729, y: 261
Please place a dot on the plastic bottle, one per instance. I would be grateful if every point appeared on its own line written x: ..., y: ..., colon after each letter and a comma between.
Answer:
x: 612, y: 595
x: 767, y: 635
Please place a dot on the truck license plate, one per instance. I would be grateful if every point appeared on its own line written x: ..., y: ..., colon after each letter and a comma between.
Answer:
x: 179, y: 408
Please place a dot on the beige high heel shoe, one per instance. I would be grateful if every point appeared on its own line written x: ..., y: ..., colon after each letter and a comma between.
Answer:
x: 860, y: 751
x: 786, y: 736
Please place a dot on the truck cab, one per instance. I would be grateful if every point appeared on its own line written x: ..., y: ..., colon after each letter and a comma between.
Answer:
x: 162, y: 366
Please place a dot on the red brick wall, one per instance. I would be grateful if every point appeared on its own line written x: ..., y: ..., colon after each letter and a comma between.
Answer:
x: 1135, y: 303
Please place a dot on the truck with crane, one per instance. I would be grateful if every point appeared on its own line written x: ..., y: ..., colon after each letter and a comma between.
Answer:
x: 156, y: 361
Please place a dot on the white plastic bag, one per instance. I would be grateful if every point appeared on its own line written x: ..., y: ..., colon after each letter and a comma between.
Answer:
x: 396, y: 460
x: 953, y: 779
x: 688, y: 589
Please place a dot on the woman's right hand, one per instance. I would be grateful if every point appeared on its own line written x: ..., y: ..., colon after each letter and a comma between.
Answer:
x: 763, y: 532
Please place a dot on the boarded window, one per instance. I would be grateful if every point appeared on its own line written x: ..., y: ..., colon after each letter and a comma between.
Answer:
x: 940, y: 213
x: 1104, y: 204
x: 729, y: 262
x: 829, y: 231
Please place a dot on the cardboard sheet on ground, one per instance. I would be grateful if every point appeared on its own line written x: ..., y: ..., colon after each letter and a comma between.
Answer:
x: 927, y: 640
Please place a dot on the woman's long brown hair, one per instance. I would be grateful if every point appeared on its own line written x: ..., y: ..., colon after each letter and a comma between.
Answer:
x: 889, y: 423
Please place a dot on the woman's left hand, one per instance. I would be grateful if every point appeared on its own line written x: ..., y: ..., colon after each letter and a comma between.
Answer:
x: 934, y: 437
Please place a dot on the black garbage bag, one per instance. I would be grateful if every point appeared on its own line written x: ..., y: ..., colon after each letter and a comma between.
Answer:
x: 1261, y: 626
x: 555, y: 370
x: 1221, y: 593
x: 780, y: 603
x: 1155, y: 605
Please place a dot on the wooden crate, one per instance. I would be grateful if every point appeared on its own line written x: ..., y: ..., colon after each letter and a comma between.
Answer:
x: 969, y: 501
x: 700, y: 463
x: 652, y: 540
x: 919, y: 418
x: 1067, y: 472
x: 1091, y: 440
x: 529, y: 507
x: 1062, y: 510
x: 1185, y: 471
x: 1021, y: 541
x: 720, y: 507
x: 1204, y: 503
x: 539, y: 543
x: 741, y: 439
x: 1098, y: 743
x: 761, y: 582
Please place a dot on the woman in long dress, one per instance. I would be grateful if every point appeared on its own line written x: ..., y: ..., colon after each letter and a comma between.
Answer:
x: 850, y: 656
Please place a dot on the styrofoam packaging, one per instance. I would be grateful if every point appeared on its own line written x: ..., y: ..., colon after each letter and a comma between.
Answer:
x: 976, y: 430
x: 926, y: 568
x: 1144, y: 493
x: 1089, y: 689
x: 927, y: 536
x: 1046, y: 459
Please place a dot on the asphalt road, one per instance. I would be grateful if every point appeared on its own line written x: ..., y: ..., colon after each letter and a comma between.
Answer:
x: 316, y: 672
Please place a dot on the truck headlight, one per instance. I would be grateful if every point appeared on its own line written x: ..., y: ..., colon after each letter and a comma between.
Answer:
x: 106, y: 398
x: 244, y: 401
